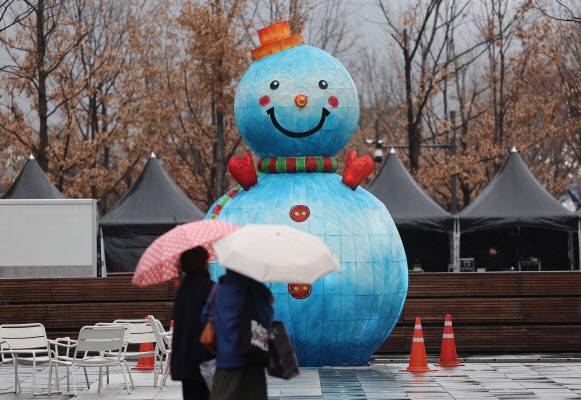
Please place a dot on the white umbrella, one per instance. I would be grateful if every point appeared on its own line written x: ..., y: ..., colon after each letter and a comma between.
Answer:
x: 276, y: 253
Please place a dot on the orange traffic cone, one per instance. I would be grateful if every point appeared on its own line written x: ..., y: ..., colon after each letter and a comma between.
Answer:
x: 448, y: 356
x: 418, y: 360
x: 146, y: 363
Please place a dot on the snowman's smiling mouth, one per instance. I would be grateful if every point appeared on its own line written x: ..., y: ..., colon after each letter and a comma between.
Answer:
x: 297, y: 135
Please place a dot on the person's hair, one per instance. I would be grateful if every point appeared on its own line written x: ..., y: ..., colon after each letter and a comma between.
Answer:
x: 194, y: 262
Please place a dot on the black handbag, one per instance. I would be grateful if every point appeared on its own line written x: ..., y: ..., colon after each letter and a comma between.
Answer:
x: 253, y: 336
x: 283, y: 360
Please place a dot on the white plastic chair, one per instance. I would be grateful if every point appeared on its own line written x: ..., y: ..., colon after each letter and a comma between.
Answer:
x: 140, y: 332
x: 67, y: 345
x: 4, y: 345
x: 27, y: 344
x: 97, y: 339
x: 126, y: 339
x: 162, y: 351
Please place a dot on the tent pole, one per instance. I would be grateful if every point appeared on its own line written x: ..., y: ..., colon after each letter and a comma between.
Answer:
x: 579, y: 240
x: 451, y: 252
x: 456, y: 245
x: 571, y: 250
x: 103, y: 262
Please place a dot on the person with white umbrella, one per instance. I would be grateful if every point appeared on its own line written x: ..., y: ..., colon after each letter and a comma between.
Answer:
x: 237, y: 376
x: 268, y: 253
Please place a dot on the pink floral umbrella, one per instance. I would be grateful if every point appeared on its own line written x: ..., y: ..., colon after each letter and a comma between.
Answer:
x: 160, y: 261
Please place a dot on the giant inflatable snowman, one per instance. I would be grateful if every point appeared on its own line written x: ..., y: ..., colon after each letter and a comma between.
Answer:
x: 296, y: 107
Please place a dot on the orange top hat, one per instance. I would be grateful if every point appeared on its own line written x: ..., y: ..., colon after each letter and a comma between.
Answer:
x: 275, y: 38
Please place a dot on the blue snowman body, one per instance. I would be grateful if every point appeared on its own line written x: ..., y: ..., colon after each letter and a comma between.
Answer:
x: 342, y: 318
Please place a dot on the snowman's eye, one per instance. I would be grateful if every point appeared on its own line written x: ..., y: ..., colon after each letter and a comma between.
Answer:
x: 274, y: 85
x: 322, y: 84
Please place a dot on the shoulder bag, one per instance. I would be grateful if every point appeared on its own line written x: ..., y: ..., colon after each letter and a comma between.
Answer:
x: 208, y: 338
x: 283, y: 361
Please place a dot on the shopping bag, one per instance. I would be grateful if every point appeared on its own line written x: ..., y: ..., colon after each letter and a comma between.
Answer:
x: 208, y: 337
x: 253, y: 336
x: 282, y: 358
x: 208, y: 369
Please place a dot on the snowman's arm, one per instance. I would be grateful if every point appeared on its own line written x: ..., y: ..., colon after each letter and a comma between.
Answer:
x: 356, y: 169
x: 243, y: 171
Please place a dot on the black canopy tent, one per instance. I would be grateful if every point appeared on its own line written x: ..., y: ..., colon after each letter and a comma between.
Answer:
x: 514, y: 202
x: 153, y: 205
x: 423, y: 225
x: 32, y: 183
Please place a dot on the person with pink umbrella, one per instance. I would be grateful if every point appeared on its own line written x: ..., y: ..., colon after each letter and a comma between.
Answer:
x: 187, y: 352
x: 185, y: 249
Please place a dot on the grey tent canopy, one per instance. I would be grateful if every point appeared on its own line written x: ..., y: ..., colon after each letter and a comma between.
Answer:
x: 153, y: 205
x: 515, y: 198
x: 32, y: 183
x: 409, y: 205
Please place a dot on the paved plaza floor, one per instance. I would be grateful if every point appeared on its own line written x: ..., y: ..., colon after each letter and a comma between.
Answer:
x: 475, y: 380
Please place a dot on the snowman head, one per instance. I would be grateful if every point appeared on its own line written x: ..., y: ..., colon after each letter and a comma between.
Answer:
x: 295, y: 100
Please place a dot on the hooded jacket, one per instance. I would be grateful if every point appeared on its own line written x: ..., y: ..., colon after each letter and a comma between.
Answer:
x: 230, y: 300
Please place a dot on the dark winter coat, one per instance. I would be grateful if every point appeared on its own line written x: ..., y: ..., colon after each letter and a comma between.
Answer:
x: 187, y: 352
x: 231, y: 298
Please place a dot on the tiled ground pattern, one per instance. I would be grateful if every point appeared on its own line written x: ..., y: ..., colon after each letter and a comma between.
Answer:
x: 511, y: 380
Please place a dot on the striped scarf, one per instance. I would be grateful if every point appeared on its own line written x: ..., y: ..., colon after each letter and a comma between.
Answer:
x: 291, y: 165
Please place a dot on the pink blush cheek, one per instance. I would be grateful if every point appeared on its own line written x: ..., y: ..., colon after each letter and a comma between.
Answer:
x: 333, y: 101
x: 264, y: 101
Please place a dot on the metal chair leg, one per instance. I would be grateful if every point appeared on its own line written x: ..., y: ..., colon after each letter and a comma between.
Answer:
x: 100, y: 380
x: 33, y: 376
x: 57, y: 384
x: 16, y: 380
x: 166, y: 373
x: 86, y: 377
x: 56, y: 373
x: 125, y: 379
x: 73, y: 379
x: 49, y: 377
x: 155, y: 370
x: 129, y: 373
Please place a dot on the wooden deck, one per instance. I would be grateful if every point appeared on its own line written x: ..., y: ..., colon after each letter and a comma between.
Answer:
x: 491, y: 312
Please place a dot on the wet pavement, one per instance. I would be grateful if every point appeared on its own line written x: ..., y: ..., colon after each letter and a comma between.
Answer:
x: 509, y: 379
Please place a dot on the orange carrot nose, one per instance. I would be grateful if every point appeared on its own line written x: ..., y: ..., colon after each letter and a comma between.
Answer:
x: 301, y: 100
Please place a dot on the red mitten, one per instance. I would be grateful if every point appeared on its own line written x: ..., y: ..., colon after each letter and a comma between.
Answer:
x: 356, y: 169
x: 351, y: 157
x: 243, y: 171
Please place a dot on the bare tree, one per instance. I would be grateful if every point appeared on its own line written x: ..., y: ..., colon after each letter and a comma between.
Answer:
x: 498, y: 30
x: 565, y: 11
x: 422, y: 34
x: 380, y: 113
x: 331, y: 28
x: 12, y: 12
x: 100, y: 76
x: 34, y: 62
